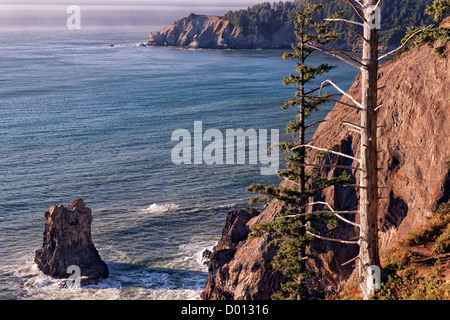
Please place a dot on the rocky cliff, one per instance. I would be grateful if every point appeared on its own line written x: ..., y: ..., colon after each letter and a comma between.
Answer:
x: 240, y: 269
x: 414, y: 144
x: 214, y: 32
x: 67, y: 242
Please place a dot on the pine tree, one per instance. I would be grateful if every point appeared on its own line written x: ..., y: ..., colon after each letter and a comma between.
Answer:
x: 293, y: 240
x: 296, y: 225
x: 369, y: 13
x: 416, y: 36
x: 439, y: 8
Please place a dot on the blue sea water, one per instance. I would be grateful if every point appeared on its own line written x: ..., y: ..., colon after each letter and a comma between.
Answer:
x: 80, y: 118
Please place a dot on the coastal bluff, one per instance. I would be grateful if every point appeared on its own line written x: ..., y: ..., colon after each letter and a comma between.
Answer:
x: 67, y: 242
x: 413, y: 137
x: 214, y: 32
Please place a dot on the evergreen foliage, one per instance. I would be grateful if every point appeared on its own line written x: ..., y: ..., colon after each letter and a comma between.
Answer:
x: 292, y: 239
x: 266, y: 18
x: 440, y: 9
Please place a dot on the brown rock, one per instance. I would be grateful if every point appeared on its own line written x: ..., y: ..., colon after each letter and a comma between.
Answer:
x: 67, y: 241
x: 239, y: 268
x: 214, y: 32
x: 413, y: 144
x: 445, y: 23
x: 414, y: 140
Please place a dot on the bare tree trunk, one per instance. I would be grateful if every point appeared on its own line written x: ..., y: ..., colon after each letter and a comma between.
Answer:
x: 369, y: 254
x: 369, y: 260
x: 301, y: 175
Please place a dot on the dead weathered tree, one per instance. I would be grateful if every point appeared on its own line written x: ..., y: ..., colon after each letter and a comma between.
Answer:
x: 366, y: 163
x: 368, y: 256
x: 369, y: 13
x: 368, y: 201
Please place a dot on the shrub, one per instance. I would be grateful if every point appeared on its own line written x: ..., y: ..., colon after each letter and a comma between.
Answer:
x: 433, y: 228
x: 442, y: 244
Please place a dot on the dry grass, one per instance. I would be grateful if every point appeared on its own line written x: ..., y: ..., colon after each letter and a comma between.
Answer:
x: 418, y: 267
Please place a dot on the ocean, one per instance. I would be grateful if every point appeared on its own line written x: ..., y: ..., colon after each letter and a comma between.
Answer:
x: 90, y: 114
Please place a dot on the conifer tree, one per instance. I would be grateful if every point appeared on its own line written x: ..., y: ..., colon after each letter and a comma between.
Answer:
x: 293, y: 227
x: 293, y: 240
x: 369, y: 13
x: 439, y: 8
x: 429, y: 34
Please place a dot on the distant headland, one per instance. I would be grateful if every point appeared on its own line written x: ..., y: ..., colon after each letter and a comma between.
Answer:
x: 214, y: 32
x: 270, y: 26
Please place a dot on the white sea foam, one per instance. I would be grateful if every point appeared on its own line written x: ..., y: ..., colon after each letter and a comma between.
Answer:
x: 131, y: 284
x: 125, y: 45
x: 191, y: 255
x: 160, y: 208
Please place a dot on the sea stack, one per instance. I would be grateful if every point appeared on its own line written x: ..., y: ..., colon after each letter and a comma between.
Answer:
x: 67, y: 242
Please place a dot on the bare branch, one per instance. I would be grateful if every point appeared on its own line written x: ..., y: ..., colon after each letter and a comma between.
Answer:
x: 289, y: 180
x: 331, y: 239
x: 345, y: 104
x: 344, y: 23
x: 314, y: 123
x: 355, y: 7
x: 315, y: 212
x: 304, y: 258
x: 318, y: 202
x: 350, y: 261
x: 312, y: 91
x: 378, y: 4
x: 352, y: 125
x: 344, y: 93
x: 330, y: 166
x: 376, y: 109
x: 354, y: 130
x: 353, y: 186
x: 337, y: 215
x: 406, y: 41
x: 359, y: 3
x: 334, y: 52
x: 327, y: 150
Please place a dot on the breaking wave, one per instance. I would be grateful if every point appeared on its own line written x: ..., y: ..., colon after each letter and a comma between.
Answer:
x: 160, y: 208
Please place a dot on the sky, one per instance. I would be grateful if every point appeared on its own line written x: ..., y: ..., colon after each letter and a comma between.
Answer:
x: 159, y: 12
x: 16, y: 4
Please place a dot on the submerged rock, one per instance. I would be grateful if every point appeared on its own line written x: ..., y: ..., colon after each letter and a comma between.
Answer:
x: 67, y: 242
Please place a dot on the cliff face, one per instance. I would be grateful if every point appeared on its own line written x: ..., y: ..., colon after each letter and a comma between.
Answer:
x: 414, y: 144
x: 413, y: 141
x: 215, y: 32
x: 240, y: 269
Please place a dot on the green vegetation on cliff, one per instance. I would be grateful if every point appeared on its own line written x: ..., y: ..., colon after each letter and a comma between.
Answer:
x: 432, y: 34
x: 418, y: 266
x: 266, y: 18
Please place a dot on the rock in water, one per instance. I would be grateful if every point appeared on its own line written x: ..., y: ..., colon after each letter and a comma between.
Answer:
x: 240, y: 268
x: 67, y: 241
